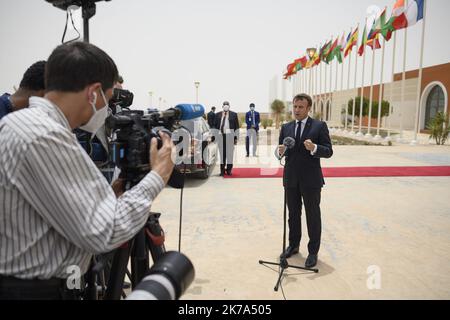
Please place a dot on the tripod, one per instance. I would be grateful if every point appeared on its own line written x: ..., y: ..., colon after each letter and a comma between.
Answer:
x: 150, y: 238
x: 283, y: 264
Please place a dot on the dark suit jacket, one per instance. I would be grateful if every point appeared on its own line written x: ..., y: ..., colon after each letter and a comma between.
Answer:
x: 248, y: 120
x: 211, y: 119
x: 302, y: 169
x: 232, y: 118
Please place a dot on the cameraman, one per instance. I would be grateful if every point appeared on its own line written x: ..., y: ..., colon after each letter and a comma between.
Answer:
x: 57, y: 209
x: 32, y: 84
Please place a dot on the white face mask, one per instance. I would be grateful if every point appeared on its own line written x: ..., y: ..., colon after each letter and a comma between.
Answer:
x: 98, y: 118
x: 252, y: 108
x: 226, y: 108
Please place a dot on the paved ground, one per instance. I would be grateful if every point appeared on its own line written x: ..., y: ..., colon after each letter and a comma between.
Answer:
x: 383, y: 238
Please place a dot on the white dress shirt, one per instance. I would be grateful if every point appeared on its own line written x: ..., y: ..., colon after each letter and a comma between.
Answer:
x: 301, y: 132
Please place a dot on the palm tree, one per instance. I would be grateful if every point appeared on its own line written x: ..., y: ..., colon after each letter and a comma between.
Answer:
x: 277, y: 108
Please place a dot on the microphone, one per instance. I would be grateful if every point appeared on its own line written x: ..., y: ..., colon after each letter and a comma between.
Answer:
x: 289, y: 143
x: 182, y: 112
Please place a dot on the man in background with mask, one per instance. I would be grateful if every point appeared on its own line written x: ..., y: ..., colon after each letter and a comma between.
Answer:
x: 57, y: 208
x: 252, y: 120
x: 228, y: 125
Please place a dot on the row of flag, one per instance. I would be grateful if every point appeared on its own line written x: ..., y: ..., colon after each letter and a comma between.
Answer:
x: 402, y: 16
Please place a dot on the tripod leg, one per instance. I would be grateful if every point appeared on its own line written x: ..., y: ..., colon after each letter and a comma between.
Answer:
x: 139, y: 259
x: 117, y: 273
x: 279, y: 279
x: 91, y: 288
x: 155, y: 237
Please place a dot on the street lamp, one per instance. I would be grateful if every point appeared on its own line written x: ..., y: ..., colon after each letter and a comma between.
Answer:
x: 197, y: 84
x: 151, y: 96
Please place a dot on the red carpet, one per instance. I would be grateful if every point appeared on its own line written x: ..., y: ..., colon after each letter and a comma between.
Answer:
x: 349, y: 172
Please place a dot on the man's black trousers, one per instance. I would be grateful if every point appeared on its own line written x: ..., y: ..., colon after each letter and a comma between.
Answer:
x: 311, y: 199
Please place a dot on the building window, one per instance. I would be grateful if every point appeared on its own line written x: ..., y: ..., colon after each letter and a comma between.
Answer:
x: 435, y: 103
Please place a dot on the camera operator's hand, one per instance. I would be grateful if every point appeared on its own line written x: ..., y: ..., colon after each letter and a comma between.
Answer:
x: 118, y: 187
x: 281, y: 149
x: 161, y: 160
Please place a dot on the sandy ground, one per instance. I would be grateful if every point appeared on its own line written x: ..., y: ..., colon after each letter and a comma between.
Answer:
x: 383, y: 238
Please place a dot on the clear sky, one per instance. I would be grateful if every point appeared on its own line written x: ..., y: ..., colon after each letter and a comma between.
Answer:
x: 233, y: 47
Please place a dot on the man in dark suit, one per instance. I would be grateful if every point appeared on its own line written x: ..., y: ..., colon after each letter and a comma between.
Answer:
x: 228, y: 124
x: 303, y: 178
x: 212, y: 117
x: 252, y: 120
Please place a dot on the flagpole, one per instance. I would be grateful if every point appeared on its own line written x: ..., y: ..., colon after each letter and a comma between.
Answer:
x: 330, y: 91
x: 294, y: 85
x: 342, y: 86
x: 388, y: 120
x: 352, y: 132
x: 369, y: 120
x: 297, y: 89
x: 364, y: 43
x: 348, y: 88
x: 313, y: 84
x: 354, y: 99
x: 360, y: 134
x: 321, y: 87
x: 317, y: 86
x: 419, y: 85
x: 380, y: 97
x: 335, y: 90
x: 303, y: 81
x: 402, y: 102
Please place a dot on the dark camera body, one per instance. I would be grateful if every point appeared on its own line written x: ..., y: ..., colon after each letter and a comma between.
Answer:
x: 64, y: 4
x: 129, y: 150
x: 120, y: 98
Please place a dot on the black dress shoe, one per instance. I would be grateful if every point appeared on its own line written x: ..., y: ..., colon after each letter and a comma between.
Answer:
x: 229, y: 172
x: 311, y: 261
x: 289, y: 252
x: 222, y: 174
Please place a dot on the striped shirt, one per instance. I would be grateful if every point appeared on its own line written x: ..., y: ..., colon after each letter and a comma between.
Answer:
x: 56, y: 208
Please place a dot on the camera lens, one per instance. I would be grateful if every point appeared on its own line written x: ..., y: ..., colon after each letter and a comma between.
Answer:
x: 168, y: 279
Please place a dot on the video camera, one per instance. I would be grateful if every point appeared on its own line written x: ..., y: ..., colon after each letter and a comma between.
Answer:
x: 131, y: 132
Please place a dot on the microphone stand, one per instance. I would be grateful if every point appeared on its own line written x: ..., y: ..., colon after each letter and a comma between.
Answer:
x: 283, y: 264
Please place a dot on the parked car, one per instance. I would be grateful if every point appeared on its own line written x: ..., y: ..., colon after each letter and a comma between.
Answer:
x: 200, y: 149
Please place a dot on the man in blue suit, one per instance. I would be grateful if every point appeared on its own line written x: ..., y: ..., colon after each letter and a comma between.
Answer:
x: 252, y: 120
x: 303, y: 178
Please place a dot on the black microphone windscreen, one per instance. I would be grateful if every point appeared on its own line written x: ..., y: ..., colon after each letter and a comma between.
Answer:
x: 289, y: 142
